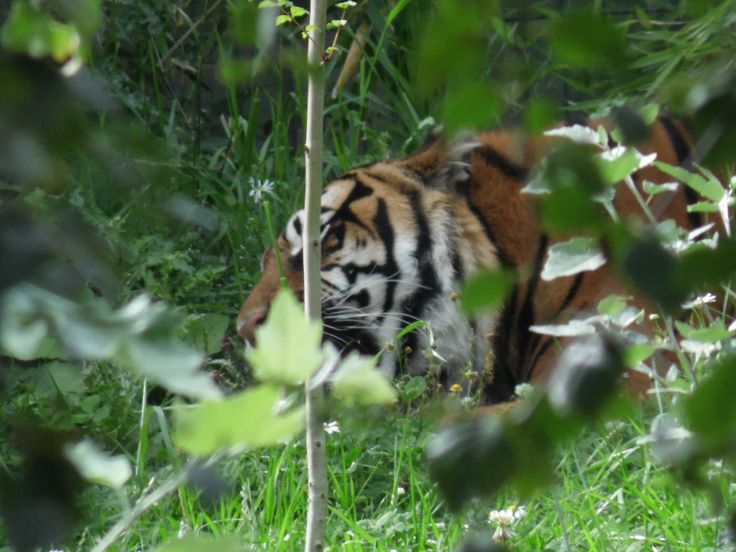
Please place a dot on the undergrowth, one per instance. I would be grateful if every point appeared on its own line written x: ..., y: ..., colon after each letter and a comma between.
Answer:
x: 185, y: 222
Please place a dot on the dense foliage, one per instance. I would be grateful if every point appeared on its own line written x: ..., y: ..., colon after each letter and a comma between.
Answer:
x: 133, y: 212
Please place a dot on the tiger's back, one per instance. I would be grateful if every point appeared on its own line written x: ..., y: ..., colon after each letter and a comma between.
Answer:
x: 401, y: 236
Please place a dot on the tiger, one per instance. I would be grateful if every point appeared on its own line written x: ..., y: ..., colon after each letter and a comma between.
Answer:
x: 400, y: 237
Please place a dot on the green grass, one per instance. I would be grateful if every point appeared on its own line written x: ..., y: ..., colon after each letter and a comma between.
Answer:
x: 209, y: 145
x: 608, y: 494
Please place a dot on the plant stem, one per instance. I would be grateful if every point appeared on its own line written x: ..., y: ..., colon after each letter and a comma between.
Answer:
x: 147, y: 501
x: 316, y: 456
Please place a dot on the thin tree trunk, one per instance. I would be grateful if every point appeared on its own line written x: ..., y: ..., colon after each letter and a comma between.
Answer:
x: 316, y: 455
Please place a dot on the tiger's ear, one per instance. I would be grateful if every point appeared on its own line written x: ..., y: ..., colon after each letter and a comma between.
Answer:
x: 441, y: 165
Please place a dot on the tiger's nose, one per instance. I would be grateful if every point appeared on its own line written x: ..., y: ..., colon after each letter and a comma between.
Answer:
x: 248, y: 322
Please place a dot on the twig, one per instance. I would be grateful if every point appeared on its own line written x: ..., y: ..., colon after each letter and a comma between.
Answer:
x: 313, y: 148
x: 147, y: 501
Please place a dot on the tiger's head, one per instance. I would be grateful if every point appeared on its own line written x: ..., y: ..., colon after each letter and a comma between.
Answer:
x: 391, y: 255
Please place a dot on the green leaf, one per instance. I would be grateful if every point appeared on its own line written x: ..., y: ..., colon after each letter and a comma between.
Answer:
x: 94, y: 465
x: 37, y: 34
x: 633, y: 355
x: 585, y: 377
x: 711, y: 411
x: 617, y: 164
x: 297, y: 11
x: 573, y: 179
x: 414, y: 388
x: 713, y: 333
x: 653, y: 189
x: 22, y: 330
x: 579, y: 134
x: 283, y: 19
x: 249, y: 420
x: 702, y: 207
x: 571, y: 257
x: 196, y: 543
x: 588, y: 40
x: 337, y: 23
x: 358, y: 381
x: 705, y: 266
x: 288, y: 346
x: 474, y: 105
x: 570, y: 329
x: 459, y: 455
x: 539, y: 115
x: 631, y: 128
x: 169, y: 364
x: 486, y: 290
x: 654, y: 270
x: 88, y: 337
x: 613, y: 304
x: 709, y: 188
x: 345, y: 5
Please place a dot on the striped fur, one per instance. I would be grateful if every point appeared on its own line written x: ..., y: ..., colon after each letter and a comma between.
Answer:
x: 400, y: 236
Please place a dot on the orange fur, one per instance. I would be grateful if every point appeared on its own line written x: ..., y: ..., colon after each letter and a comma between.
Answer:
x: 495, y: 223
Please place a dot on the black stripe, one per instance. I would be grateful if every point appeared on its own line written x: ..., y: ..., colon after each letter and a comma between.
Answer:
x: 679, y: 143
x: 493, y: 158
x: 549, y: 340
x: 413, y: 307
x: 574, y: 287
x: 390, y: 268
x: 682, y: 152
x: 526, y: 342
x: 501, y: 388
x: 296, y: 223
x: 464, y: 188
x: 457, y: 264
x: 345, y: 213
x: 577, y: 282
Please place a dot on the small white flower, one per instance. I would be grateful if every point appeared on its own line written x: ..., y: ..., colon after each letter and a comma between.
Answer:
x: 400, y: 491
x: 331, y: 427
x: 259, y: 189
x: 700, y: 300
x: 504, y: 519
x: 183, y: 529
x: 523, y: 390
x: 501, y: 517
x: 502, y: 533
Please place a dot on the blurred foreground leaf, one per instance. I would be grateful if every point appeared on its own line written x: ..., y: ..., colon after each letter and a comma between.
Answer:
x: 136, y: 336
x: 288, y: 346
x: 478, y: 457
x: 96, y: 466
x: 585, y: 377
x: 486, y: 290
x: 192, y: 543
x: 571, y: 257
x: 711, y: 411
x: 358, y: 381
x: 590, y: 41
x: 29, y: 30
x: 250, y: 419
x: 38, y: 503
